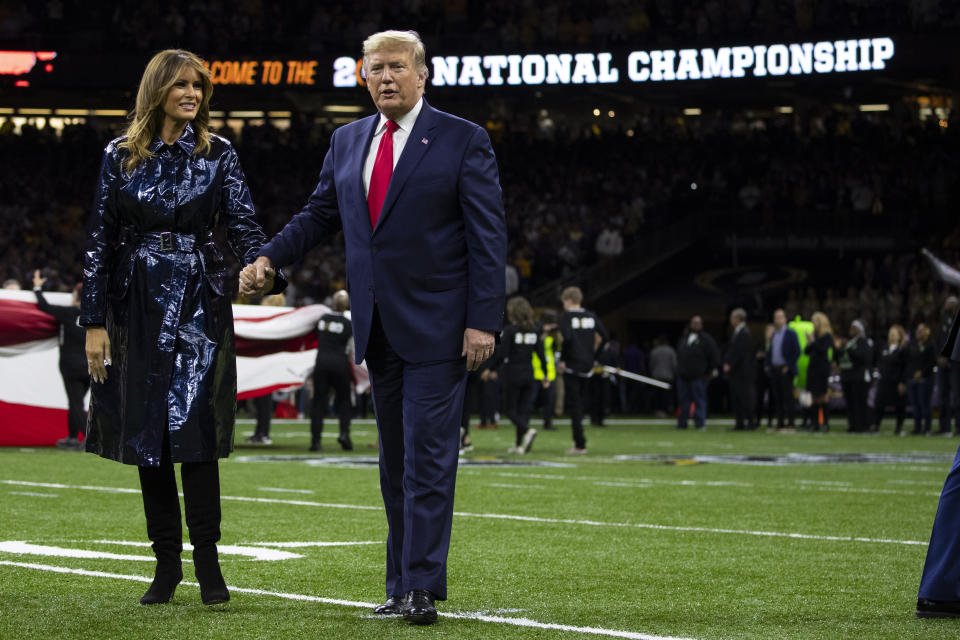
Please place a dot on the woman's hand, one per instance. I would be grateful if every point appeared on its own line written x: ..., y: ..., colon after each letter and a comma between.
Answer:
x: 98, y: 353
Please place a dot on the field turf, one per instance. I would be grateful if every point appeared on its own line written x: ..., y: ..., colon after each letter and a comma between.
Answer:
x: 587, y: 546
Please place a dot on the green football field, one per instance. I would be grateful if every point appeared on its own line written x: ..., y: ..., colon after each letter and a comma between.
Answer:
x: 656, y: 533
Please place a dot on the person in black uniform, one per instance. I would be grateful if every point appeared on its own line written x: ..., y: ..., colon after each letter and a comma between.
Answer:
x: 583, y: 334
x: 948, y: 372
x: 892, y: 385
x: 263, y: 405
x: 853, y: 356
x: 334, y: 342
x: 697, y: 360
x: 921, y: 359
x: 819, y: 346
x: 519, y: 341
x: 740, y: 367
x: 73, y: 360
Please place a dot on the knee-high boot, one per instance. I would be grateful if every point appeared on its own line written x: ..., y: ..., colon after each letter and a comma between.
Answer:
x: 201, y: 499
x: 161, y: 505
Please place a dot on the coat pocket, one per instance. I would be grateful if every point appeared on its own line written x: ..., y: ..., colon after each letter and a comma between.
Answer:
x: 214, y: 269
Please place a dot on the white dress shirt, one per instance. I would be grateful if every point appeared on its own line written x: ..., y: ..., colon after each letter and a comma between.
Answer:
x: 400, y: 136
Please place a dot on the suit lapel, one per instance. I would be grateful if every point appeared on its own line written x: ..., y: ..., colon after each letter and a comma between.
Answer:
x: 416, y: 146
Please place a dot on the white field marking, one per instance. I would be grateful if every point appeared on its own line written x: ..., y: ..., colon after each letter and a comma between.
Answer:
x: 252, y: 552
x: 54, y: 485
x: 481, y: 617
x: 926, y: 483
x: 891, y: 467
x: 26, y: 548
x: 892, y: 492
x: 28, y: 450
x: 34, y: 494
x: 517, y: 486
x: 279, y: 490
x: 638, y: 485
x: 301, y: 545
x: 826, y: 483
x: 617, y: 482
x: 592, y: 523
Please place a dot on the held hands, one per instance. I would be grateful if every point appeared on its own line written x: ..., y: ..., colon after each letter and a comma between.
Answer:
x: 37, y: 280
x: 477, y: 345
x: 257, y: 277
x: 98, y: 353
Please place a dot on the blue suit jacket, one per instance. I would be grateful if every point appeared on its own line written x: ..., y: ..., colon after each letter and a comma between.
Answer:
x: 790, y: 350
x: 435, y: 264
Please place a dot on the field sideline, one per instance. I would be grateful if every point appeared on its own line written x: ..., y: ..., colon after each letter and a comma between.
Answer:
x: 656, y: 533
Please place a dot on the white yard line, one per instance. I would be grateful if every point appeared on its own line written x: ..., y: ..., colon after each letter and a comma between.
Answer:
x: 33, y: 494
x: 481, y: 617
x: 518, y: 518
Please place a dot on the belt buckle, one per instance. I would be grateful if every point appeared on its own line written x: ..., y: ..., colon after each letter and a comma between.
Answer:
x: 166, y: 241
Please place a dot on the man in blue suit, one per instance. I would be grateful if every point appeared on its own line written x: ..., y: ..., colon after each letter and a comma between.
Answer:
x: 939, y: 594
x: 417, y: 194
x: 783, y: 352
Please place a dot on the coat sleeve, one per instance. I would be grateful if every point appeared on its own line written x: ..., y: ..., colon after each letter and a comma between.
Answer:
x: 62, y: 314
x: 102, y: 232
x: 319, y: 219
x: 486, y: 233
x: 244, y: 233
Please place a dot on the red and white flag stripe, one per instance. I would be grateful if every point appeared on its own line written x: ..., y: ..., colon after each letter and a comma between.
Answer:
x: 276, y: 349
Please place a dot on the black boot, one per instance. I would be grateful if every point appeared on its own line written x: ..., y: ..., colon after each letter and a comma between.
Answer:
x: 201, y: 498
x: 161, y: 506
x: 344, y: 440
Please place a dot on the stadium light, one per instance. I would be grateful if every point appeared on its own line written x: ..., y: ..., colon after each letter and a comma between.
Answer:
x: 874, y: 107
x: 343, y: 108
x: 784, y: 110
x: 692, y: 111
x: 596, y: 112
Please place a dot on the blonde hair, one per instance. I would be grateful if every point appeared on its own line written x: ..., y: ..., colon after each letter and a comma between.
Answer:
x: 520, y: 313
x: 821, y: 323
x: 397, y: 40
x: 573, y: 294
x: 901, y: 332
x: 147, y: 117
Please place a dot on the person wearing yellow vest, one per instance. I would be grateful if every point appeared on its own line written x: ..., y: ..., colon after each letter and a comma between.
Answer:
x: 546, y: 372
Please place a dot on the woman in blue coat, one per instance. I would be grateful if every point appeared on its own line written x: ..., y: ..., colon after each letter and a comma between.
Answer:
x: 159, y: 326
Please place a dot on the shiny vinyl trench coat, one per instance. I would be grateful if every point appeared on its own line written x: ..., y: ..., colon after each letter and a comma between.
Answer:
x: 154, y: 277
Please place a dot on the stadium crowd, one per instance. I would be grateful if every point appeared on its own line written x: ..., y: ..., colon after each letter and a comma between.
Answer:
x: 255, y: 26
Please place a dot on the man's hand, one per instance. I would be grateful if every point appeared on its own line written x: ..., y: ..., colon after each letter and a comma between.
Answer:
x: 477, y: 346
x: 37, y: 280
x: 257, y: 277
x: 98, y: 353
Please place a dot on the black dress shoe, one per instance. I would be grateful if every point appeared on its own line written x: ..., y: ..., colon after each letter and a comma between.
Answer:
x: 345, y: 442
x: 392, y: 607
x: 938, y: 608
x: 418, y: 607
x: 164, y: 584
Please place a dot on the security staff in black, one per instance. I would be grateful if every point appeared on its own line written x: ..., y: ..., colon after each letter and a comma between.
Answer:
x: 73, y: 360
x: 583, y: 335
x: 334, y: 342
x: 519, y: 341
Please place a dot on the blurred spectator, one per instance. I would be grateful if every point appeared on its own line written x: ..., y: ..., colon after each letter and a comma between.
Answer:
x: 698, y: 358
x: 921, y: 359
x: 663, y: 367
x: 892, y: 379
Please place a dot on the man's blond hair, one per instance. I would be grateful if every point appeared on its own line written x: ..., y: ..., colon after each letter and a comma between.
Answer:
x: 573, y: 294
x: 397, y: 40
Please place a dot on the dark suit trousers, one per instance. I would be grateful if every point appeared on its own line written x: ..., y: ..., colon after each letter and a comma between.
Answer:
x: 418, y: 409
x: 781, y: 395
x: 741, y: 401
x: 941, y: 571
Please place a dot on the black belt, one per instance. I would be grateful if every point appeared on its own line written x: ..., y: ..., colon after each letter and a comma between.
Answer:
x: 166, y: 240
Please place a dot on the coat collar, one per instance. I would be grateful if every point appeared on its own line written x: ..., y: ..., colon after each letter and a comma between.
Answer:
x: 187, y: 141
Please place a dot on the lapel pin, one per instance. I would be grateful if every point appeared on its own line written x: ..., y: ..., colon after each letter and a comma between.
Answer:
x: 424, y: 141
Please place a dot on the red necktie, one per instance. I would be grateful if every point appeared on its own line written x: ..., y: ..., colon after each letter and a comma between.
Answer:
x: 382, y: 170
